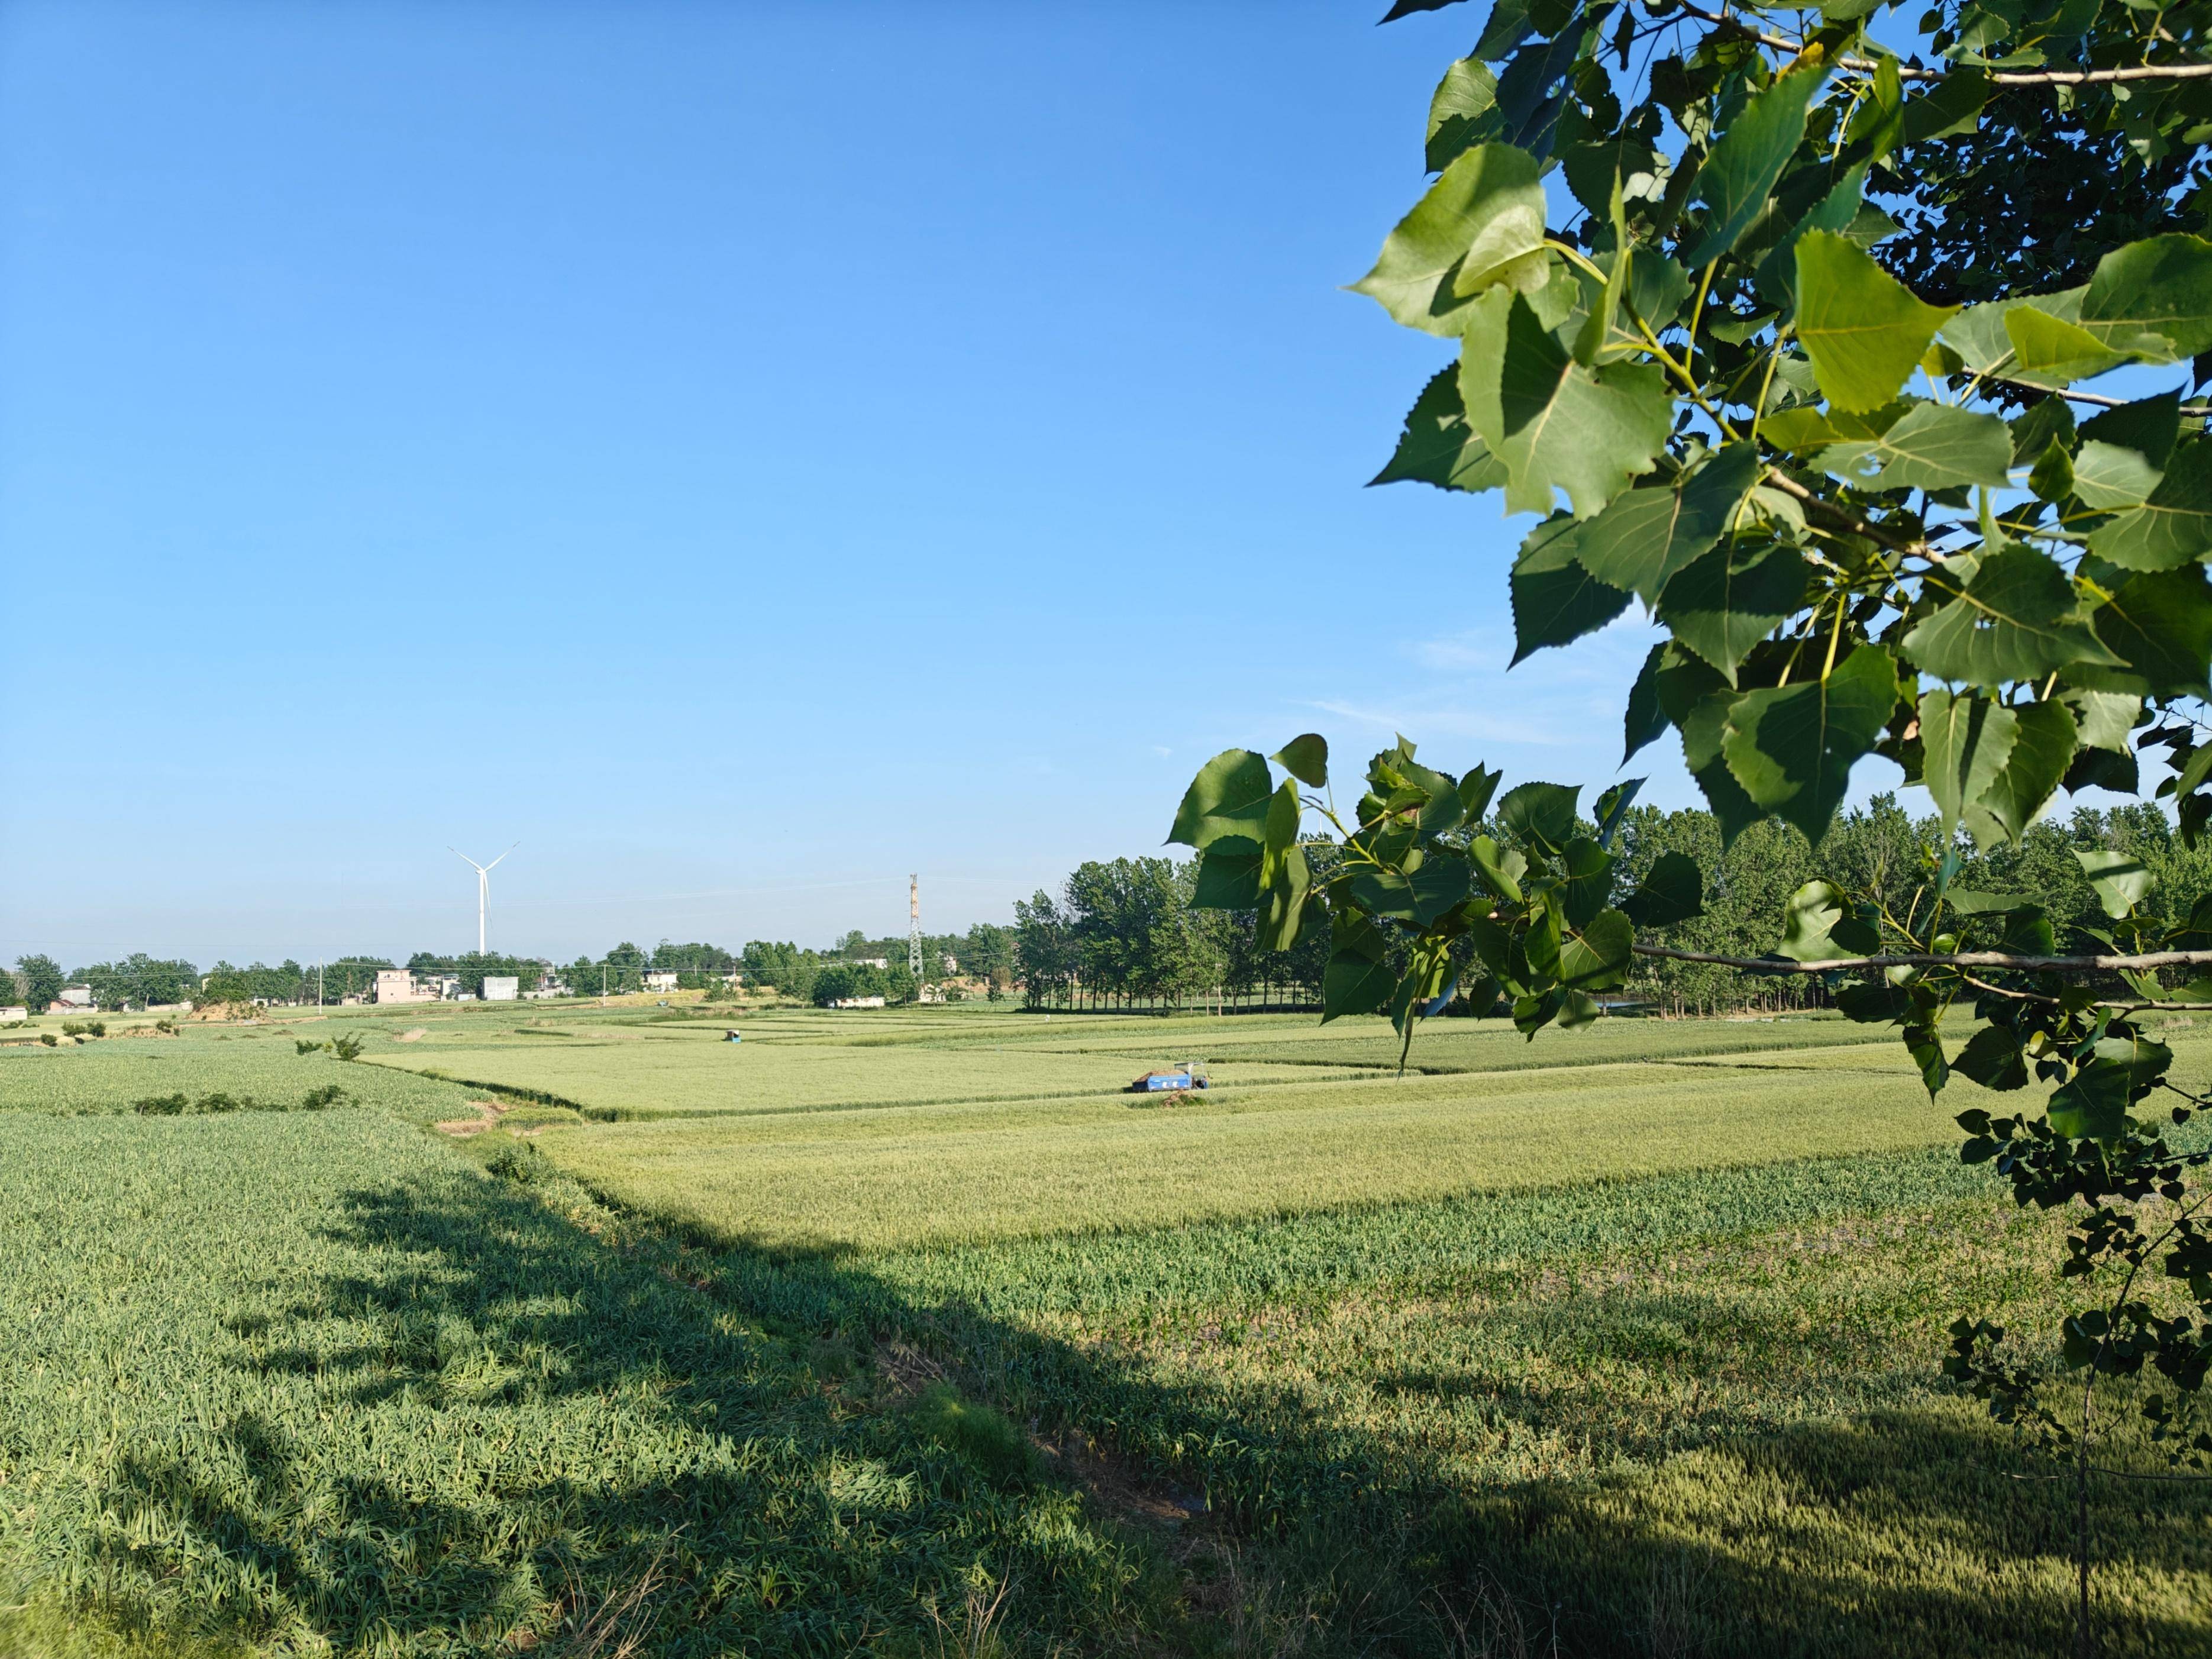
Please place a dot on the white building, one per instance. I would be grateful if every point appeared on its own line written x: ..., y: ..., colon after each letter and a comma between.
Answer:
x: 659, y: 980
x: 72, y: 999
x: 397, y: 985
x: 858, y: 1002
x: 12, y: 1014
x: 500, y: 988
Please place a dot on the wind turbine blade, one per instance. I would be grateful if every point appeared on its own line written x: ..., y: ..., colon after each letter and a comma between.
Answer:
x: 502, y: 855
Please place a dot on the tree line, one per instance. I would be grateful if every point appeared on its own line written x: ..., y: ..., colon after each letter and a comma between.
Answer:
x: 1121, y: 934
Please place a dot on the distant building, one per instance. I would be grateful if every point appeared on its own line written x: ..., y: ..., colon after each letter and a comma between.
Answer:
x: 74, y: 998
x: 659, y: 980
x: 397, y: 985
x: 10, y: 1015
x: 858, y: 1002
x: 500, y: 987
x: 871, y: 962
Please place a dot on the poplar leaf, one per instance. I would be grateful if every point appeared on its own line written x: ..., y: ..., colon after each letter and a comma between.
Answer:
x: 1792, y: 747
x: 2159, y: 625
x: 1738, y: 175
x: 2013, y: 620
x: 1480, y: 223
x: 1965, y: 740
x: 1931, y: 447
x: 1556, y: 424
x: 2043, y: 743
x: 1437, y: 446
x: 2173, y: 526
x: 1864, y: 330
x: 1734, y: 596
x: 1228, y: 797
x: 1645, y: 536
x: 1555, y: 598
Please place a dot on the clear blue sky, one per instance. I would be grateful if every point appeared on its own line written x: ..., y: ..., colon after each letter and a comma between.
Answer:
x: 744, y: 453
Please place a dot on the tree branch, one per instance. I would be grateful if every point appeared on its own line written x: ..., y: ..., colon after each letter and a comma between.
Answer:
x: 1958, y: 959
x: 1997, y: 77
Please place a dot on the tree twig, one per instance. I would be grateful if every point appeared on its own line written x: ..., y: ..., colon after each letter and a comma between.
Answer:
x: 1997, y: 77
x: 1958, y: 959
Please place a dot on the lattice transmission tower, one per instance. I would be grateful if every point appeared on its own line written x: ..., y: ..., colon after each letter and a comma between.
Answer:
x: 913, y: 928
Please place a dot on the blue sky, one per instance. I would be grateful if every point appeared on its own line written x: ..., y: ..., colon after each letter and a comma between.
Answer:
x: 743, y: 453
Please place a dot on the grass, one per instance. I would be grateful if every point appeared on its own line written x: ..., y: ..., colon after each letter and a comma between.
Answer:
x: 1628, y: 1337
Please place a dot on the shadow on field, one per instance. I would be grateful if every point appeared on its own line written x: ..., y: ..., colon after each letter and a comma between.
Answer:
x: 695, y: 1449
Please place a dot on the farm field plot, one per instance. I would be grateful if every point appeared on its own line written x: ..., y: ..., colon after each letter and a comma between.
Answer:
x: 1642, y: 1343
x: 659, y: 1074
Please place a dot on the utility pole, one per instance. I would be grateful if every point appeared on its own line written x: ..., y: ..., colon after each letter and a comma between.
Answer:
x: 914, y: 932
x: 318, y: 985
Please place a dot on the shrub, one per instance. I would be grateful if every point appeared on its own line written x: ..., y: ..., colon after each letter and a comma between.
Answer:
x: 299, y: 1046
x: 348, y: 1046
x: 50, y: 1039
x: 329, y: 1095
x: 518, y: 1161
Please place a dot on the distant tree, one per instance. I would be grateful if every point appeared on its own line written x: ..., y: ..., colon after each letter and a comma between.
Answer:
x: 138, y: 980
x: 785, y: 967
x: 987, y: 950
x: 42, y: 980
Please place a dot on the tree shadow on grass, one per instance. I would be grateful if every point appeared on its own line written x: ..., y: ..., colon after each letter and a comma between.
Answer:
x: 515, y: 1418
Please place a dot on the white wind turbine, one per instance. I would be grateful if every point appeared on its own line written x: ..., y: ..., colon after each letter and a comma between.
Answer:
x: 483, y: 888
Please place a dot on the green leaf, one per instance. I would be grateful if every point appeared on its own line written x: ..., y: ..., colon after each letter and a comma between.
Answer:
x: 1930, y: 446
x: 1228, y: 875
x: 2048, y: 422
x: 2014, y: 620
x: 2104, y: 720
x: 1305, y: 758
x: 2052, y: 477
x: 1420, y: 897
x: 1965, y: 741
x: 2174, y: 526
x: 2043, y: 742
x: 1728, y: 601
x: 1555, y: 598
x: 1589, y: 869
x: 1645, y: 720
x: 1949, y: 105
x: 1438, y: 447
x: 2149, y: 426
x: 1228, y: 797
x: 1476, y: 787
x: 2159, y: 625
x: 1463, y: 113
x: 1992, y: 1059
x: 2119, y: 879
x: 1810, y: 919
x: 2094, y: 1104
x: 2108, y: 478
x: 1354, y: 985
x: 1541, y: 812
x: 1672, y: 891
x: 1864, y: 330
x: 1596, y: 333
x: 2152, y: 298
x: 1282, y: 898
x: 2053, y: 350
x: 1740, y: 172
x: 1645, y: 536
x: 1501, y: 868
x: 1480, y: 223
x: 1792, y: 747
x: 1697, y: 700
x: 1555, y: 423
x: 1596, y: 957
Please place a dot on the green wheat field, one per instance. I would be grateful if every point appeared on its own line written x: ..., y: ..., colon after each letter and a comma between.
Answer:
x: 587, y: 1332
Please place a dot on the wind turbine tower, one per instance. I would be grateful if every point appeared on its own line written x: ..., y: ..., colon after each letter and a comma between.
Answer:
x: 483, y: 888
x: 914, y: 930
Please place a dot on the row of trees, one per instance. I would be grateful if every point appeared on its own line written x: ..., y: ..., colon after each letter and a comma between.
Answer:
x: 1123, y: 934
